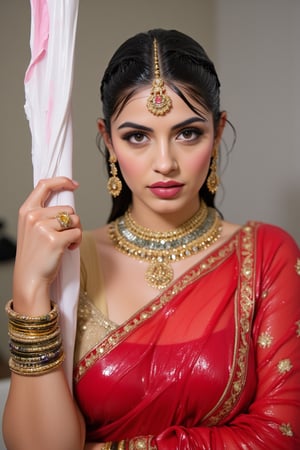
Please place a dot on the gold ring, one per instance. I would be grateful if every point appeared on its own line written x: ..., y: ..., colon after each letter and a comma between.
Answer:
x: 64, y: 219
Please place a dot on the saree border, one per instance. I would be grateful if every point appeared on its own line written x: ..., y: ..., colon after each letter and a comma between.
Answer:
x: 115, y: 337
x: 245, y: 303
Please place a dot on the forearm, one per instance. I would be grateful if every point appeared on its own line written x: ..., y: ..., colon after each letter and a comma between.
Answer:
x: 40, y: 413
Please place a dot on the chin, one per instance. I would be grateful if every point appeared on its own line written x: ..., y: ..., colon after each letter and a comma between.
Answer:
x: 175, y: 207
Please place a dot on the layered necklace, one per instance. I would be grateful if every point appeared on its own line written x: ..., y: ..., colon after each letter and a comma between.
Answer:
x: 161, y: 249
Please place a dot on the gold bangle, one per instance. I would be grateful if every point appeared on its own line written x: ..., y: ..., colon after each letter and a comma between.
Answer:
x: 37, y: 369
x: 31, y: 322
x: 114, y: 445
x: 34, y: 319
x: 29, y: 332
x: 30, y: 326
x: 36, y: 349
x: 38, y: 359
x: 32, y: 338
x: 107, y: 445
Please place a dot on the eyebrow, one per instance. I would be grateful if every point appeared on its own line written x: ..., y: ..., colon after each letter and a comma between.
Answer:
x: 174, y: 127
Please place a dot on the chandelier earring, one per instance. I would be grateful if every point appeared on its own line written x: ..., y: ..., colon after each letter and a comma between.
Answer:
x: 114, y: 184
x: 213, y: 178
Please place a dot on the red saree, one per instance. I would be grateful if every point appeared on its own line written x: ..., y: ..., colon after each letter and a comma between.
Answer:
x: 213, y: 362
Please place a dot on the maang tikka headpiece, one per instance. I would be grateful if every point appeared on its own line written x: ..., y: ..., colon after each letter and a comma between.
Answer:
x: 158, y: 103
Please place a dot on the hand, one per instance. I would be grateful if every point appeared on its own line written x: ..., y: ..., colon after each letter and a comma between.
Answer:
x: 41, y: 243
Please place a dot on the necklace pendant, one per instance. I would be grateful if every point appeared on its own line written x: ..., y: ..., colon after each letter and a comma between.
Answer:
x: 159, y: 274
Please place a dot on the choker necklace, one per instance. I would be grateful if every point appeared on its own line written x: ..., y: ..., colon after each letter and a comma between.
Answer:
x: 160, y: 249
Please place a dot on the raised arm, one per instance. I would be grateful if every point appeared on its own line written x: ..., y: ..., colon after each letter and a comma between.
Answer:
x: 40, y: 412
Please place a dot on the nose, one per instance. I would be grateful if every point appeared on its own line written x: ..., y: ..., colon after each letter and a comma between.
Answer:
x: 164, y: 158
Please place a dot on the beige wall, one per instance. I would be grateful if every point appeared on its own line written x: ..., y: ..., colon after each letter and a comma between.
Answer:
x: 255, y: 46
x: 258, y: 58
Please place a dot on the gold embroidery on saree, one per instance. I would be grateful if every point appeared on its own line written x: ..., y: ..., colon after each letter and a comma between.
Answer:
x: 141, y: 443
x: 298, y: 328
x: 244, y: 315
x: 284, y: 366
x: 286, y: 429
x: 265, y: 340
x: 297, y: 266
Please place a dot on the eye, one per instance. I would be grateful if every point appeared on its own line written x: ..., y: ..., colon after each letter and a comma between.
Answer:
x: 136, y: 137
x: 189, y: 134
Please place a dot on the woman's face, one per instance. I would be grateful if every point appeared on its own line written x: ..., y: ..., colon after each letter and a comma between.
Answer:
x: 164, y: 160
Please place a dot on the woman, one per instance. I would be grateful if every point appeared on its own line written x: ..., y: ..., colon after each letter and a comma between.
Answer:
x: 188, y: 325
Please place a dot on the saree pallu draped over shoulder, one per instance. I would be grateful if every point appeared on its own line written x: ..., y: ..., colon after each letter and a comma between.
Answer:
x: 184, y: 369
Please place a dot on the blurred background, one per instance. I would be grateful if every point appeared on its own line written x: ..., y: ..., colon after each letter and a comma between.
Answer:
x: 255, y: 47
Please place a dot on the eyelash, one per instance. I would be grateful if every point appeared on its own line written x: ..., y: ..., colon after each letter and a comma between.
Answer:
x: 134, y: 134
x: 197, y: 133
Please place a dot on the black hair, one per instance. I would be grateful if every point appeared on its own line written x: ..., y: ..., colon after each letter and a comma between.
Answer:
x: 184, y: 67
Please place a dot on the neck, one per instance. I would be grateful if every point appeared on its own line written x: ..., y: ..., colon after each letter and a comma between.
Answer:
x: 163, y: 220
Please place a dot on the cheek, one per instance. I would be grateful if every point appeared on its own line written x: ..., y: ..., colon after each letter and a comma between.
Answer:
x: 130, y: 169
x: 199, y: 164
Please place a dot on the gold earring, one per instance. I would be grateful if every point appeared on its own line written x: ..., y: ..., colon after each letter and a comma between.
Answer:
x: 114, y: 184
x: 212, y: 182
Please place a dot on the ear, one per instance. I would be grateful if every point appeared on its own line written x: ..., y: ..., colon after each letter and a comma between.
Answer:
x: 220, y: 129
x: 105, y: 135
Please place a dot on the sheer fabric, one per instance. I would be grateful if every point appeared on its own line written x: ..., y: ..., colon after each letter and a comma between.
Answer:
x: 213, y: 362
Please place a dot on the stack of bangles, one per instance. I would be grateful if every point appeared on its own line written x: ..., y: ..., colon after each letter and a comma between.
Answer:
x: 35, y: 342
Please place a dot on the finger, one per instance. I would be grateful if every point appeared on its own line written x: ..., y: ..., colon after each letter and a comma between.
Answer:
x: 51, y: 233
x: 65, y: 221
x: 76, y: 239
x: 46, y: 187
x: 33, y: 218
x: 50, y: 212
x: 70, y: 238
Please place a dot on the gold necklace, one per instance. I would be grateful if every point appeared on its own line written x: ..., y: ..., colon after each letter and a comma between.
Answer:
x: 161, y: 249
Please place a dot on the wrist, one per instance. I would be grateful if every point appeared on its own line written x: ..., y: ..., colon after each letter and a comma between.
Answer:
x: 31, y: 299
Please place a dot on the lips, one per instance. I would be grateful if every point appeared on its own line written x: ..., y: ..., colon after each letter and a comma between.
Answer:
x: 166, y: 184
x: 166, y: 189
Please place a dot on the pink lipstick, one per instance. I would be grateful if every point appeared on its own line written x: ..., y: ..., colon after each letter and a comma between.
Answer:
x: 166, y: 189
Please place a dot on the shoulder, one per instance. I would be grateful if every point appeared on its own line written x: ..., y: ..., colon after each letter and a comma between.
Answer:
x: 276, y: 251
x: 95, y: 245
x: 89, y: 247
x: 94, y: 238
x: 265, y: 234
x: 90, y: 262
x: 273, y: 236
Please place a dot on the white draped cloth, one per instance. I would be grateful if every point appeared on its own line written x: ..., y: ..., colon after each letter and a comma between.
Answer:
x: 48, y: 89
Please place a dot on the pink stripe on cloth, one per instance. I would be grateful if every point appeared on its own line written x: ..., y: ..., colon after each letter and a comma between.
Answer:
x: 48, y: 89
x: 39, y: 34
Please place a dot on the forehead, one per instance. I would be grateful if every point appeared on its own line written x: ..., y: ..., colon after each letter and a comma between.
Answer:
x: 135, y: 107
